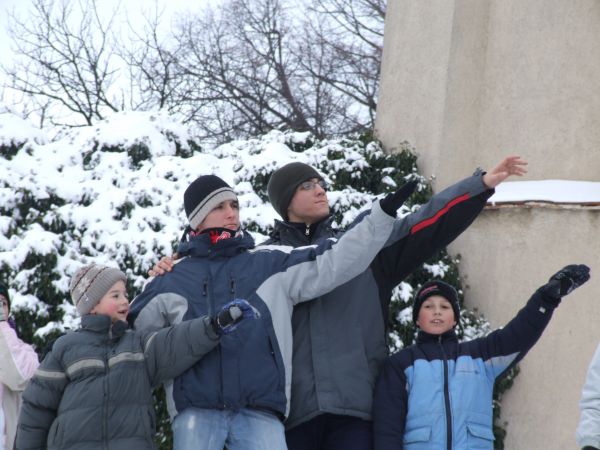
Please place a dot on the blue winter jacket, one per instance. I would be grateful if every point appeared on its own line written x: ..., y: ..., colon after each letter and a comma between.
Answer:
x: 437, y: 394
x: 252, y: 367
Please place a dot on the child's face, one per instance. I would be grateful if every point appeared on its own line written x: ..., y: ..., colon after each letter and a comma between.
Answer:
x: 436, y: 315
x: 4, y: 304
x: 114, y: 304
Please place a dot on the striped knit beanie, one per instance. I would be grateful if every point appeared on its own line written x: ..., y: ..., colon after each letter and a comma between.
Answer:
x: 203, y: 195
x: 90, y: 284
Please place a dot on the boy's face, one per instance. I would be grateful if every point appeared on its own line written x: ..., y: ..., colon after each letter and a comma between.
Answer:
x: 225, y: 215
x: 436, y: 315
x: 309, y: 203
x: 114, y: 304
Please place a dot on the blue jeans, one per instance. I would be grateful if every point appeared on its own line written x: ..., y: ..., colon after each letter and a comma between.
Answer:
x: 211, y: 429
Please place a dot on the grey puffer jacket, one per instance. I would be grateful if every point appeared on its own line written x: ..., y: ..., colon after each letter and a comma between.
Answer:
x: 340, y: 338
x: 94, y: 389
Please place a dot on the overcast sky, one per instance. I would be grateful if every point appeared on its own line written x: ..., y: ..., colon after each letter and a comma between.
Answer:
x: 128, y: 10
x: 131, y: 8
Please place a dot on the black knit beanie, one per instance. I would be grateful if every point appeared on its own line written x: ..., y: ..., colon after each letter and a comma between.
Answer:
x: 4, y: 292
x: 203, y: 195
x: 436, y: 287
x: 283, y: 183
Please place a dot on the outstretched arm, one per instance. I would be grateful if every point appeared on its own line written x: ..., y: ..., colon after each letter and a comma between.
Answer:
x: 419, y: 235
x: 588, y: 429
x: 505, y: 347
x: 172, y: 350
x: 305, y: 273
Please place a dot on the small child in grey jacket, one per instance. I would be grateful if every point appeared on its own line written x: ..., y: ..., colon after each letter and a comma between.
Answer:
x: 95, y: 385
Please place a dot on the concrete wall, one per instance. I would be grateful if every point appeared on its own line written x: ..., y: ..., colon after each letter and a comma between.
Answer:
x: 507, y: 254
x: 467, y: 82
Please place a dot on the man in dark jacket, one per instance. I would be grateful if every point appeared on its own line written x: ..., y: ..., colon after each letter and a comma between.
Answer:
x: 340, y: 338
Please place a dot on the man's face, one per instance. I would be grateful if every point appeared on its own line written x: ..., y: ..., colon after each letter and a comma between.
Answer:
x: 225, y: 215
x: 309, y: 203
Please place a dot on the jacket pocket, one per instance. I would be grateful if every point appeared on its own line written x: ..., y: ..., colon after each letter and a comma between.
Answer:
x: 418, y: 439
x: 479, y: 437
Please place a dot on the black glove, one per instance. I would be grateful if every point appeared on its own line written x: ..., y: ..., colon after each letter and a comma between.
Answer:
x: 232, y: 314
x: 392, y: 202
x: 589, y: 447
x: 566, y: 280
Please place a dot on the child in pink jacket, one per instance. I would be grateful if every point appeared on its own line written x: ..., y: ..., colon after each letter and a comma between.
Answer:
x: 18, y: 362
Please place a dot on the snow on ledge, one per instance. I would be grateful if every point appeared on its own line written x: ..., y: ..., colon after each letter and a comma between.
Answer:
x: 548, y: 191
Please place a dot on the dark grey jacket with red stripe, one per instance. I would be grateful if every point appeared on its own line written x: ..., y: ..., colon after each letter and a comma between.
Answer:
x: 340, y: 338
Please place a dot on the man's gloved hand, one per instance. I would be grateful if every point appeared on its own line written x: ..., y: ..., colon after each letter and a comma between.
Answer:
x: 232, y: 314
x: 566, y: 280
x: 589, y: 447
x: 392, y: 202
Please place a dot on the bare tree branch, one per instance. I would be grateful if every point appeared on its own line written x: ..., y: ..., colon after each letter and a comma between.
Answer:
x: 70, y: 66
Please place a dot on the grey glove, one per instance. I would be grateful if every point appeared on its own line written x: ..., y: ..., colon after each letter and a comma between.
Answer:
x: 566, y: 280
x: 231, y: 314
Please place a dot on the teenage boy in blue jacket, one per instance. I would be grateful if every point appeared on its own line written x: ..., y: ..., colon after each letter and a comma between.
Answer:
x: 437, y: 393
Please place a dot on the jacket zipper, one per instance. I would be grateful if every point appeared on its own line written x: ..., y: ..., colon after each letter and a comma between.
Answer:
x: 211, y: 311
x: 105, y: 443
x: 446, y: 398
x: 307, y: 231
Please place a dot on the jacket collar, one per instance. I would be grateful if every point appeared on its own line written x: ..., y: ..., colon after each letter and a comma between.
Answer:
x: 99, y: 323
x: 448, y: 336
x: 297, y: 232
x: 201, y: 245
